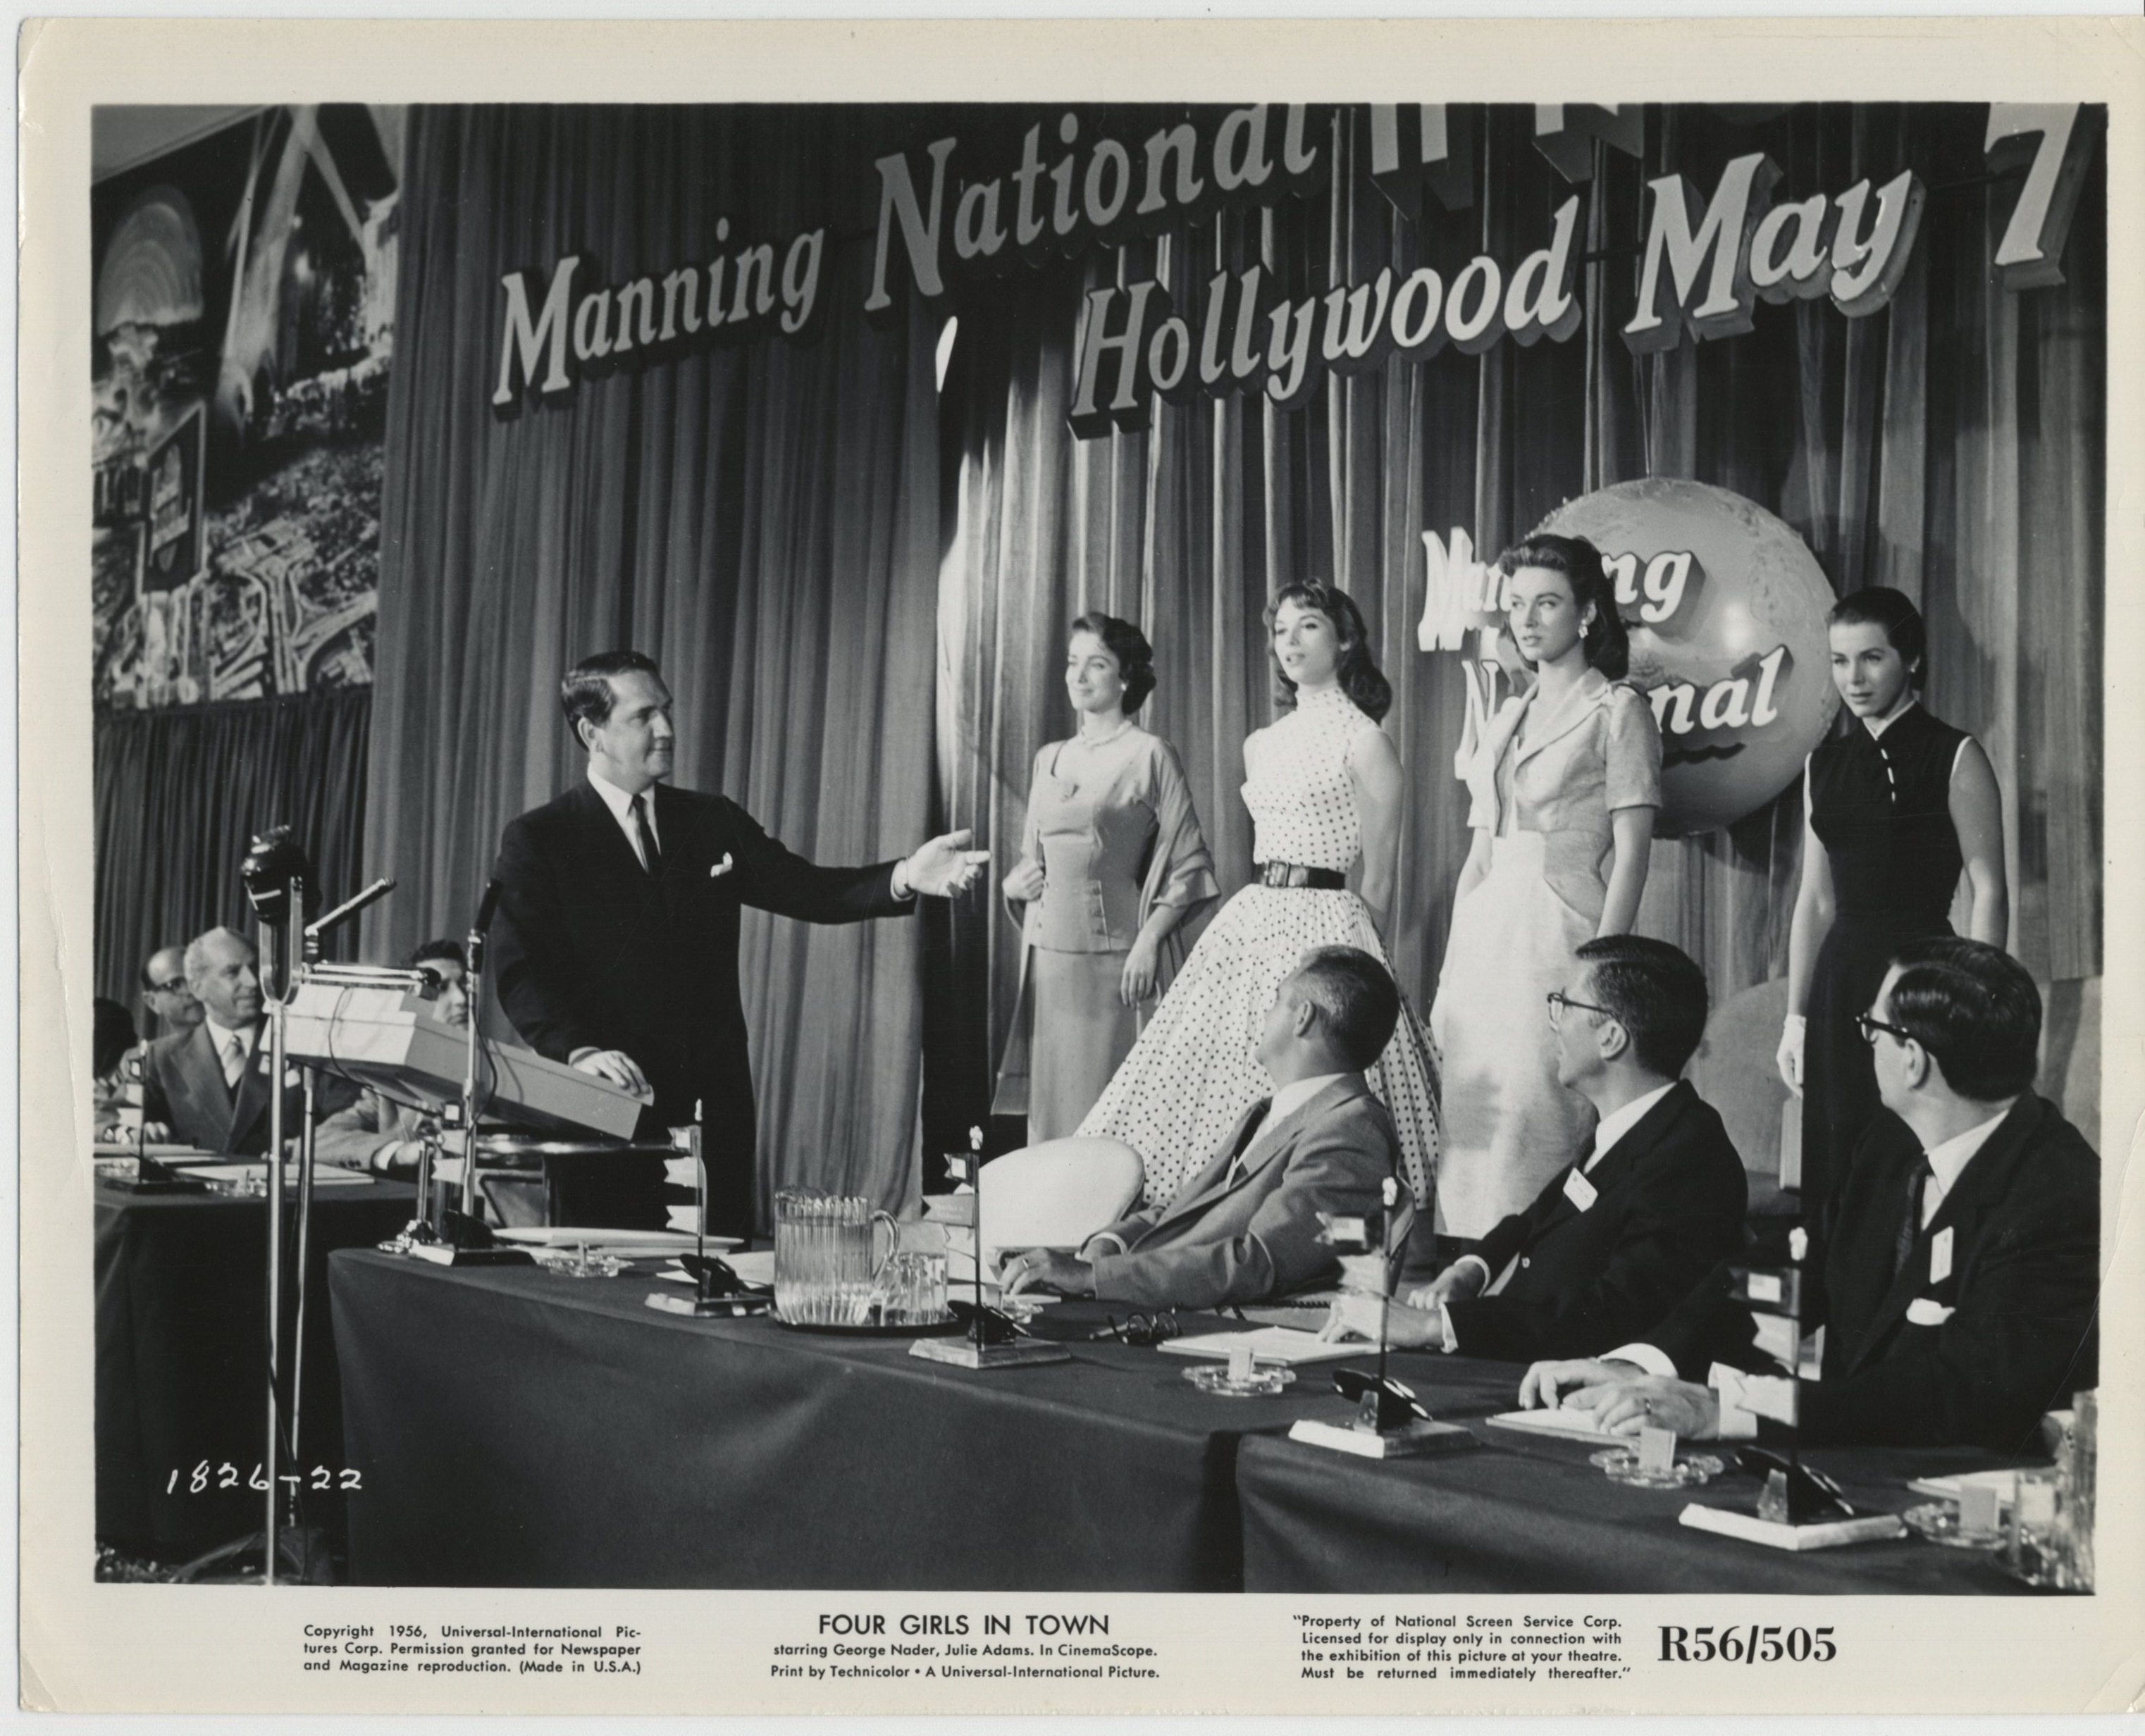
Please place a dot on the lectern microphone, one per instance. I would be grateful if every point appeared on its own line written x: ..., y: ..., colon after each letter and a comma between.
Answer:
x: 350, y: 907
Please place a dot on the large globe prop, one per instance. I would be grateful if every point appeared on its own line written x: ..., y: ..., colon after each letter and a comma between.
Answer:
x: 1726, y: 609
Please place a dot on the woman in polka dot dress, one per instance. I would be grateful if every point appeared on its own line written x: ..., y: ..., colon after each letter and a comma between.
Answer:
x: 1323, y: 785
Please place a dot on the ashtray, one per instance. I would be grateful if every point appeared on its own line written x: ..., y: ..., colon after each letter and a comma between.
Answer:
x: 1622, y: 1465
x: 1266, y: 1380
x: 1938, y: 1522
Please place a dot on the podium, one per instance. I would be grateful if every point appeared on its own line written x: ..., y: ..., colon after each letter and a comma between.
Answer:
x: 387, y: 1039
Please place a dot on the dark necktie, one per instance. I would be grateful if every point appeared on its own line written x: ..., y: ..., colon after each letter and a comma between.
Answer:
x: 1253, y: 1122
x: 650, y: 857
x: 1910, y: 1224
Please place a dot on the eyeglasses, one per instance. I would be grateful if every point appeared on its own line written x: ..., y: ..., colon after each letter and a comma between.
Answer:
x: 1869, y: 1027
x: 1559, y: 1000
x: 1144, y: 1330
x: 176, y: 985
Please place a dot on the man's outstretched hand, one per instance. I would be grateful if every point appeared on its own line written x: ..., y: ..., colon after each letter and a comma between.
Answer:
x: 944, y: 867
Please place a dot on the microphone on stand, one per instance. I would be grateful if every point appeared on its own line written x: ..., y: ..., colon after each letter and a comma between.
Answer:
x: 350, y: 907
x: 473, y: 985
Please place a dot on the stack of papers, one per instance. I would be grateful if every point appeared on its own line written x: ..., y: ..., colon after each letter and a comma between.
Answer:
x: 1270, y: 1344
x: 1573, y: 1423
x: 625, y: 1244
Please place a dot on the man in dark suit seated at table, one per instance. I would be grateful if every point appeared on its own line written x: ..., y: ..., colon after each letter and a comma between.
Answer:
x: 1246, y: 1227
x: 616, y: 947
x: 1655, y: 1201
x: 1957, y: 1285
x: 207, y: 1085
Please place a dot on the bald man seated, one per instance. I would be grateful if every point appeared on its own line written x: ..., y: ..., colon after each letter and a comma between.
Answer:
x: 206, y: 1085
x: 1246, y: 1227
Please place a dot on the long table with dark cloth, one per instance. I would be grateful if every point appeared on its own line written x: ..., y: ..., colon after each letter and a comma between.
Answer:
x: 1528, y: 1512
x: 516, y: 1427
x: 519, y: 1427
x: 183, y: 1357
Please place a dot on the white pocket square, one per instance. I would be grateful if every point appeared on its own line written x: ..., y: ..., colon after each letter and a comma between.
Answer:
x: 721, y: 867
x: 1925, y: 1311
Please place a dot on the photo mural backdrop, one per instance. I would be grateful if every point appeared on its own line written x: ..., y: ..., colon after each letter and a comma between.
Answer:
x: 243, y: 328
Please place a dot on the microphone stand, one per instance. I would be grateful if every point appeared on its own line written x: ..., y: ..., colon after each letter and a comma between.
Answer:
x: 278, y: 1008
x: 473, y: 988
x: 312, y: 944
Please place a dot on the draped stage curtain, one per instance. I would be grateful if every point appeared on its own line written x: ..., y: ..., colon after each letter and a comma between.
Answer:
x: 181, y: 792
x: 762, y: 521
x: 1951, y: 446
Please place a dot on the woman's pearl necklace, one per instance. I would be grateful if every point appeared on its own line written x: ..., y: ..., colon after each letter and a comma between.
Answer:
x: 1087, y: 740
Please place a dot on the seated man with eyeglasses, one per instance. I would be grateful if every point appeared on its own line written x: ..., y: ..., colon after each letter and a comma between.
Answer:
x: 1958, y: 1282
x: 1652, y: 1203
x: 1246, y: 1227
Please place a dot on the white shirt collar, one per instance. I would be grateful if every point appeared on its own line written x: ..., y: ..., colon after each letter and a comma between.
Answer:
x: 220, y: 1035
x: 1949, y: 1160
x: 1291, y: 1098
x: 1610, y: 1128
x: 621, y: 810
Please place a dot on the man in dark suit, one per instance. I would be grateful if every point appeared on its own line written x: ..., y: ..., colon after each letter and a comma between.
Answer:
x: 1958, y: 1284
x: 616, y: 944
x: 1246, y: 1227
x: 1652, y: 1204
x: 207, y: 1085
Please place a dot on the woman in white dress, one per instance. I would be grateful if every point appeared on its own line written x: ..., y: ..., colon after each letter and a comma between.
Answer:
x: 1324, y: 787
x: 1563, y: 790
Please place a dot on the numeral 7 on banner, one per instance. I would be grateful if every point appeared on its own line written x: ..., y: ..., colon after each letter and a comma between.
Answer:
x: 2053, y: 142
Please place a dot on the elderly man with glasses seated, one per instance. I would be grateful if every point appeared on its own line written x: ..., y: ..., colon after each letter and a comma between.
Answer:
x: 1957, y: 1277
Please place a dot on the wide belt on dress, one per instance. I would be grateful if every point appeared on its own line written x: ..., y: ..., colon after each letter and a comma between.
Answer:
x: 1294, y: 875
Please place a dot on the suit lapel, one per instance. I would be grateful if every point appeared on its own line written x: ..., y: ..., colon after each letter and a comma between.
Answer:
x: 607, y: 852
x: 1580, y: 704
x: 681, y: 862
x: 200, y: 1076
x: 1619, y: 1161
x: 1988, y: 1174
x: 251, y: 1102
x: 1266, y: 1145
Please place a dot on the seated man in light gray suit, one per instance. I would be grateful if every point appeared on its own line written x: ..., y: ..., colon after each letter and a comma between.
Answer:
x: 1245, y: 1227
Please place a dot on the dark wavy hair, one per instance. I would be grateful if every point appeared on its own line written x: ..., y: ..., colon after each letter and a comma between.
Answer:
x: 1974, y: 1008
x: 1608, y: 648
x: 1127, y: 644
x: 584, y: 692
x: 1879, y: 605
x: 1655, y: 992
x: 1359, y: 675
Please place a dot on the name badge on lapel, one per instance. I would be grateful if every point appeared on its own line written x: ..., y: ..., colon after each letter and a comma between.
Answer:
x: 1940, y: 1255
x: 1580, y: 1192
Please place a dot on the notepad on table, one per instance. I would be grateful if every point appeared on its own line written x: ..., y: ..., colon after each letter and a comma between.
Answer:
x: 1569, y: 1423
x: 1270, y: 1344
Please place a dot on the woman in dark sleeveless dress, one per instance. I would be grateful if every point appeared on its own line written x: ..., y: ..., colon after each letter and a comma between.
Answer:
x: 1896, y: 808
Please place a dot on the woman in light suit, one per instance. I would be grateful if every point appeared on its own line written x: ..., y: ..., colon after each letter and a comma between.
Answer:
x: 1563, y: 791
x: 1112, y: 863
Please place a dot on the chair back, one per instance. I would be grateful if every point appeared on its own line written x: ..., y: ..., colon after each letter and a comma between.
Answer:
x: 1058, y: 1194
